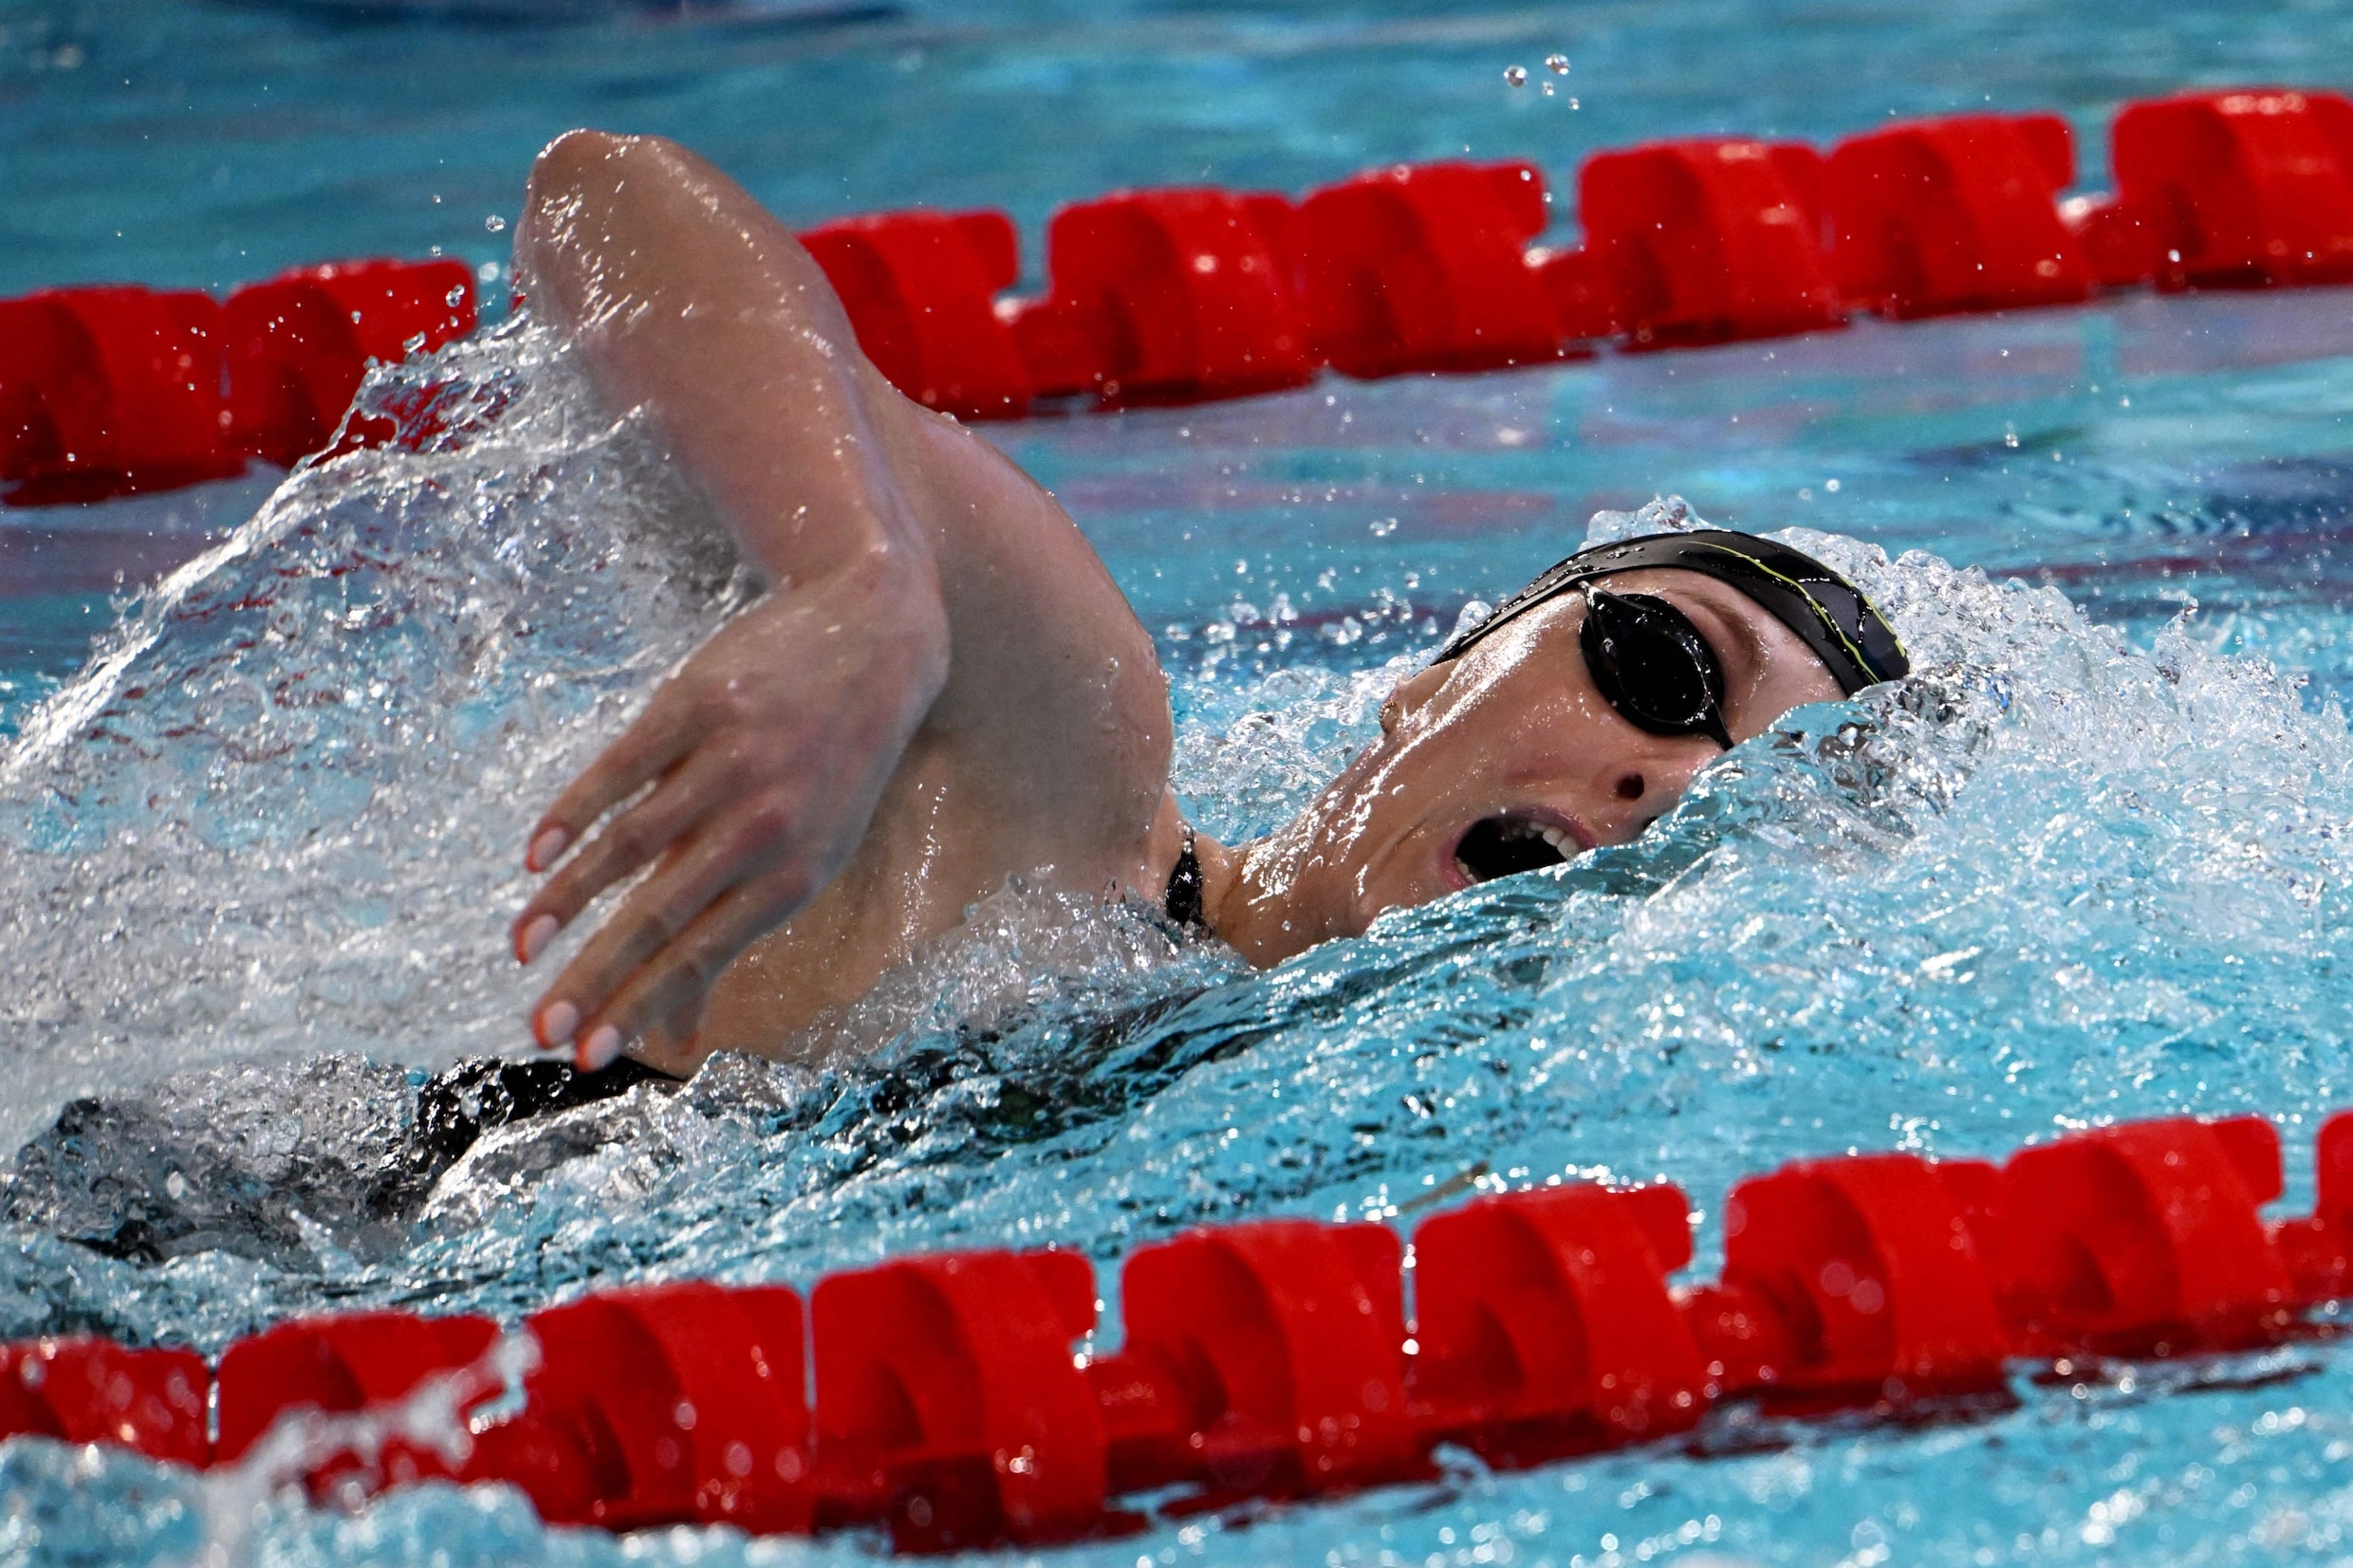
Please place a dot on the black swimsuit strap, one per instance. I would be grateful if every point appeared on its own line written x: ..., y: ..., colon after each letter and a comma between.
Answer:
x: 1182, y: 903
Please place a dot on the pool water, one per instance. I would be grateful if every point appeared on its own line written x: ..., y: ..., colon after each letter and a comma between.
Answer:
x: 259, y: 843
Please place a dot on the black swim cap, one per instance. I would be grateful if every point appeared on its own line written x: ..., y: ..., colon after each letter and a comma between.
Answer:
x: 1838, y: 623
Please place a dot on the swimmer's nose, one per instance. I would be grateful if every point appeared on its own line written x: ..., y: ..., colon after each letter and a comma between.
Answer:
x: 1641, y: 788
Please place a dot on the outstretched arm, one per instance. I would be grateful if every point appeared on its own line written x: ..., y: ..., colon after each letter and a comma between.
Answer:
x: 770, y: 747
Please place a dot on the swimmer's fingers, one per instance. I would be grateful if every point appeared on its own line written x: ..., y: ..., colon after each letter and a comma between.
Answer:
x: 711, y: 870
x: 674, y: 808
x: 670, y: 992
x: 661, y: 735
x: 790, y: 719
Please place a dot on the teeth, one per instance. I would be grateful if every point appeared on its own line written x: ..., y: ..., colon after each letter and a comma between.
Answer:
x: 1464, y: 866
x: 1563, y: 845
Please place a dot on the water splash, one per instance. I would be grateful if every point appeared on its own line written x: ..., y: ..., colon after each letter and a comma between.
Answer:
x: 279, y: 812
x: 2051, y: 878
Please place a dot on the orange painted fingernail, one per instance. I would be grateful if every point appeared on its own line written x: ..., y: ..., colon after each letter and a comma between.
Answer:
x: 544, y: 849
x: 555, y: 1024
x: 600, y: 1048
x: 536, y: 936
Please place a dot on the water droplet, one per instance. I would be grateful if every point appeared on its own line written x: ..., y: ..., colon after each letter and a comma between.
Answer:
x: 175, y: 1186
x: 495, y: 223
x: 1515, y: 75
x: 1557, y: 63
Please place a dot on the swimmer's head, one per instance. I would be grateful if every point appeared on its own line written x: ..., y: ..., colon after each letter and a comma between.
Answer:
x: 1572, y: 716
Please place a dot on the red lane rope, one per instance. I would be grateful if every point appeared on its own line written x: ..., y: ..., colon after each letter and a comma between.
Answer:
x: 111, y: 391
x: 1180, y: 296
x: 1276, y: 1358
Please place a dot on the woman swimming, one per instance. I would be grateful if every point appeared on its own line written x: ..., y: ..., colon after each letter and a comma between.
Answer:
x: 943, y: 687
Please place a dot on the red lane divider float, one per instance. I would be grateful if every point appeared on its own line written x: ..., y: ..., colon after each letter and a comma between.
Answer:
x: 2318, y: 1250
x: 108, y: 390
x: 1281, y: 1341
x: 2250, y: 189
x: 111, y: 391
x: 949, y: 1404
x: 1544, y: 1324
x: 1425, y: 267
x: 299, y: 344
x: 1957, y: 215
x: 919, y: 289
x: 1853, y: 1281
x: 92, y: 1391
x: 1702, y: 242
x: 1174, y: 296
x: 1187, y: 295
x: 2141, y: 1239
x: 662, y: 1405
x: 346, y: 1365
x: 1272, y: 1359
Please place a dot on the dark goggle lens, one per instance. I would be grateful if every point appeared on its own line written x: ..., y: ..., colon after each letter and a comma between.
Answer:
x: 1652, y: 666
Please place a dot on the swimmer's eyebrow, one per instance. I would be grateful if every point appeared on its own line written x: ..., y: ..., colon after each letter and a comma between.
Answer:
x: 1741, y: 650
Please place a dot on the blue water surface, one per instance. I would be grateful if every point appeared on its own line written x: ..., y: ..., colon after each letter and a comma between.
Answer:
x: 258, y: 846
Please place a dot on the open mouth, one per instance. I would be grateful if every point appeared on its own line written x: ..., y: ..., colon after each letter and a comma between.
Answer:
x: 1504, y: 847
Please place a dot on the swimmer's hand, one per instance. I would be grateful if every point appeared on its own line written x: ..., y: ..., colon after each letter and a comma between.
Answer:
x: 766, y: 753
x: 761, y: 760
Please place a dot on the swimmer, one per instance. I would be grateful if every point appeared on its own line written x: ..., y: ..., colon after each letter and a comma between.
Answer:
x: 942, y: 687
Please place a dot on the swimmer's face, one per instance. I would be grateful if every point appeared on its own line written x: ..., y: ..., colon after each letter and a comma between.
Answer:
x: 1510, y: 757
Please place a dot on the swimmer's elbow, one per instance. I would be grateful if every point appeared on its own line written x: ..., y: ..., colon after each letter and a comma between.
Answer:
x: 578, y: 213
x: 585, y: 159
x: 584, y: 173
x: 581, y: 148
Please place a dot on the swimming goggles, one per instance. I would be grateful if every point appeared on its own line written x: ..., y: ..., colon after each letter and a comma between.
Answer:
x: 1653, y: 665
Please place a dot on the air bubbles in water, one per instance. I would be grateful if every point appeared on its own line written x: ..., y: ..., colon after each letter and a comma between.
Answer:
x: 1557, y: 63
x: 495, y: 223
x: 1515, y: 75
